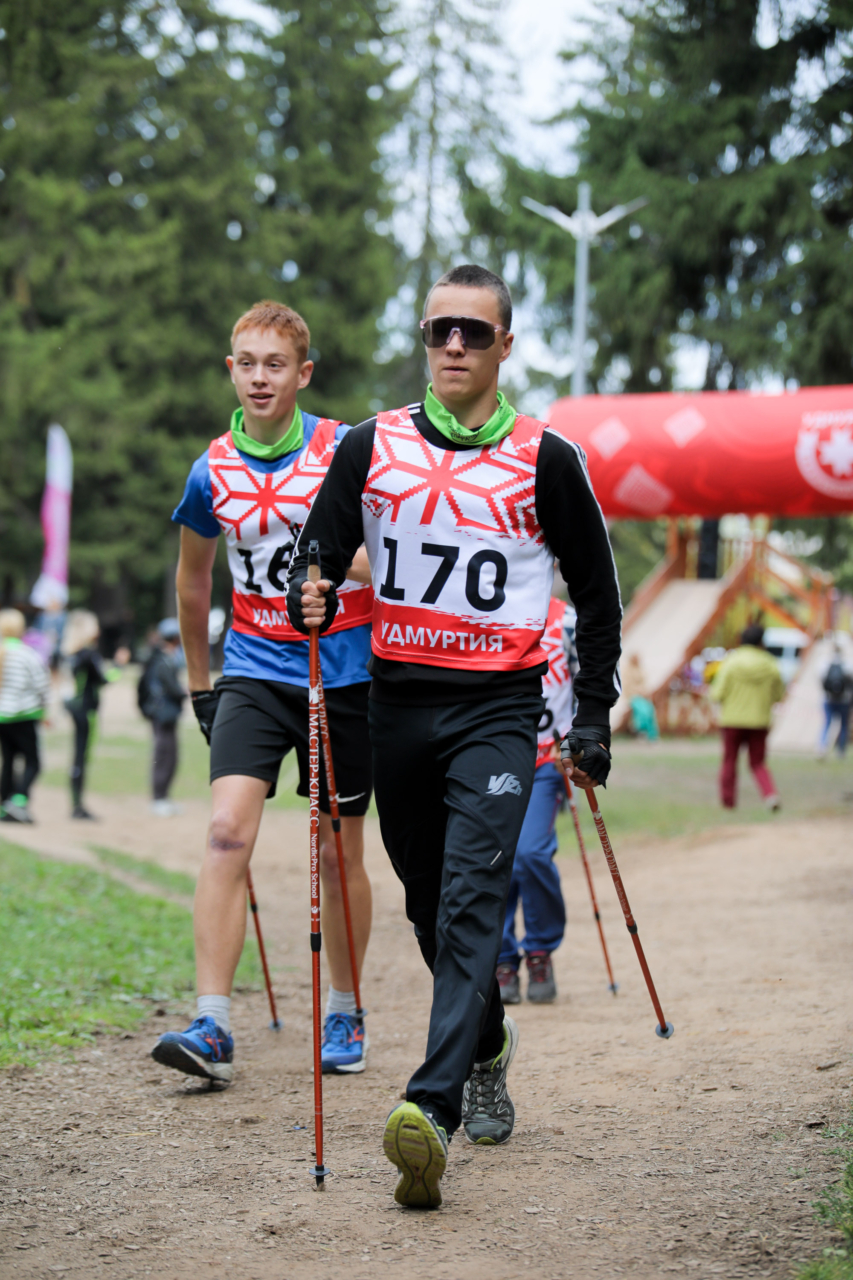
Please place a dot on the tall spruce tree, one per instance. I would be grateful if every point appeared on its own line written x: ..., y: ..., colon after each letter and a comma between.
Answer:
x: 456, y: 69
x: 323, y: 103
x: 744, y: 151
x: 157, y: 181
x: 691, y: 112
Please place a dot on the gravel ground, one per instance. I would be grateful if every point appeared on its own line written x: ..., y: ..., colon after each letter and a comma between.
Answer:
x: 700, y: 1155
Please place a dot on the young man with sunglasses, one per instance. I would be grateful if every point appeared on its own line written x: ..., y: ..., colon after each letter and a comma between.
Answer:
x: 462, y: 505
x: 255, y: 485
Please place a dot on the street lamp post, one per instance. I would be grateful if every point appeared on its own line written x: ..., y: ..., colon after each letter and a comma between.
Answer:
x: 581, y: 292
x: 584, y: 226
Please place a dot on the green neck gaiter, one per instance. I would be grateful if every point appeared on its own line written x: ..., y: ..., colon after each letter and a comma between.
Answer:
x: 292, y: 438
x: 499, y: 425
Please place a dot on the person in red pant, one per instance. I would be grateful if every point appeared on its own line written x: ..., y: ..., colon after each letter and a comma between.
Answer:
x: 747, y: 686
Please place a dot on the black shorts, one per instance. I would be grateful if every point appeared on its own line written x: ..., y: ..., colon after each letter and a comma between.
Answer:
x: 259, y: 721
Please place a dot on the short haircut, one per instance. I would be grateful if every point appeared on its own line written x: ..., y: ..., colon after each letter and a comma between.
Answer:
x: 753, y: 634
x: 478, y: 278
x: 275, y: 315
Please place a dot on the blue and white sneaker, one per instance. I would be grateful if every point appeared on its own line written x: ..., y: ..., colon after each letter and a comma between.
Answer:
x: 345, y: 1043
x: 204, y: 1049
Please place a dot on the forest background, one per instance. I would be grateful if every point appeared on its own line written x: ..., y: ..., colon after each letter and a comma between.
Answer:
x: 164, y: 164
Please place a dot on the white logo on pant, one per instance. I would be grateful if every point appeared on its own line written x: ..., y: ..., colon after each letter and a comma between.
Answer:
x: 502, y: 784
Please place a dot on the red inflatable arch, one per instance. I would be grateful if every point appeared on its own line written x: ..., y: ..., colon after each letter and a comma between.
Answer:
x: 712, y: 452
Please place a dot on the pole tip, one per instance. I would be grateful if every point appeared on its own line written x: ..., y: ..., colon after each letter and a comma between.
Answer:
x: 276, y: 1024
x: 613, y: 986
x: 665, y: 1031
x: 320, y: 1173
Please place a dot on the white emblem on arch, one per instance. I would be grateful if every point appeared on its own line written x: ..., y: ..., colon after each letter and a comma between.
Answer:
x: 824, y: 453
x: 684, y: 426
x: 642, y: 492
x: 609, y: 437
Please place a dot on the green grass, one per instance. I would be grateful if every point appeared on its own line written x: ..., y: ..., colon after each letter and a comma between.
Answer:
x: 172, y: 881
x: 82, y: 954
x: 834, y: 1265
x: 120, y: 764
x: 671, y: 790
x: 666, y: 790
x: 835, y: 1207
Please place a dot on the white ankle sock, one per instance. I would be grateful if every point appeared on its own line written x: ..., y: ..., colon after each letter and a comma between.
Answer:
x: 340, y: 1002
x: 216, y: 1007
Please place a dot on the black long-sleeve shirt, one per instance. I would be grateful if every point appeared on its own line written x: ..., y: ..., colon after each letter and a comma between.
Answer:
x: 574, y: 529
x: 87, y: 668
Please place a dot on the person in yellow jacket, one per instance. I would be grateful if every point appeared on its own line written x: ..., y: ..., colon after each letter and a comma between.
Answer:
x: 747, y: 685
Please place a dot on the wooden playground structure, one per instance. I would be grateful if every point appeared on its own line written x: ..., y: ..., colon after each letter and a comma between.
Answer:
x: 674, y: 616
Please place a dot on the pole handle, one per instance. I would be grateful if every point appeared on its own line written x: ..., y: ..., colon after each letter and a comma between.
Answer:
x: 314, y: 573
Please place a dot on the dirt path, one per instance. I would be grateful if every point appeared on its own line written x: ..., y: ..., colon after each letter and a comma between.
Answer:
x: 631, y: 1155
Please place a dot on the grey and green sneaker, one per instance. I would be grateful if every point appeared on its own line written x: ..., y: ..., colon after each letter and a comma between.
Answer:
x: 15, y: 809
x: 488, y: 1115
x: 418, y: 1147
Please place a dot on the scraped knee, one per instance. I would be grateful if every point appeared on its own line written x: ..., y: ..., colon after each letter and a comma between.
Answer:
x: 226, y: 834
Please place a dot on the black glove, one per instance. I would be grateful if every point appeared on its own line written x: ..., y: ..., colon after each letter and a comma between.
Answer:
x: 294, y: 603
x: 582, y: 746
x: 205, y: 702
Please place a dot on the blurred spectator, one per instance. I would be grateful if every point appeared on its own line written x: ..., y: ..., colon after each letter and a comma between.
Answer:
x: 837, y: 683
x: 160, y: 697
x: 39, y: 643
x: 643, y: 714
x: 79, y: 645
x: 747, y: 686
x: 24, y: 692
x: 49, y: 624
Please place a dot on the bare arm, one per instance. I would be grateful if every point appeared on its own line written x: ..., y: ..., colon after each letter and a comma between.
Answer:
x: 359, y: 570
x: 194, y: 583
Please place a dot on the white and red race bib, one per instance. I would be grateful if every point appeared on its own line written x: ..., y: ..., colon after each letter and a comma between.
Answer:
x: 461, y: 571
x: 261, y: 514
x: 556, y: 684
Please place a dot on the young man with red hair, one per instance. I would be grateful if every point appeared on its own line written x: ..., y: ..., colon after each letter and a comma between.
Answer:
x: 255, y: 484
x: 463, y: 504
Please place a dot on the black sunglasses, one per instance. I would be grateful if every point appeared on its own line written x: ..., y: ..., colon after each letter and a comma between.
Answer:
x: 479, y: 335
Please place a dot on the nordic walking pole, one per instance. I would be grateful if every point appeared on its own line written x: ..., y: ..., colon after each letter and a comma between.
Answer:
x: 596, y: 914
x: 319, y: 1171
x: 336, y: 827
x: 276, y: 1023
x: 664, y: 1029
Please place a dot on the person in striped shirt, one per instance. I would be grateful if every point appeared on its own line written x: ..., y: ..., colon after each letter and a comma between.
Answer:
x: 24, y: 692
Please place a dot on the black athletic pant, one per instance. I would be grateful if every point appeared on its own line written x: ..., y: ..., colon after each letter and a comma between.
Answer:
x: 452, y: 785
x: 18, y: 738
x: 165, y: 759
x: 82, y: 732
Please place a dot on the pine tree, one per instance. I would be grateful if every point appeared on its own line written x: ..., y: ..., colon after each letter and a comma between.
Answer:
x: 323, y: 103
x: 148, y: 198
x: 457, y: 68
x: 690, y: 112
x: 745, y: 245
